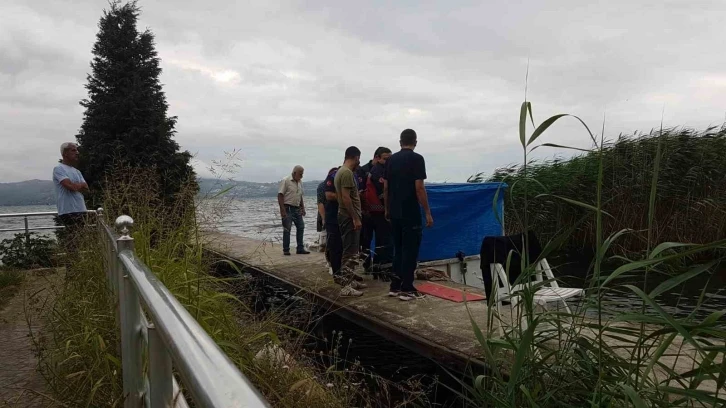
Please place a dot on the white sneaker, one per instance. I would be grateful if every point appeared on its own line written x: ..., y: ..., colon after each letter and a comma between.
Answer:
x: 407, y: 296
x: 394, y: 293
x: 348, y: 291
x: 358, y: 285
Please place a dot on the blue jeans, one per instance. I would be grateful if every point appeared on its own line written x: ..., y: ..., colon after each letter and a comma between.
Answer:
x: 407, y: 236
x: 293, y: 216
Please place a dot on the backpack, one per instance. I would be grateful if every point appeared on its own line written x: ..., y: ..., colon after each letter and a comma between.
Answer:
x: 374, y: 203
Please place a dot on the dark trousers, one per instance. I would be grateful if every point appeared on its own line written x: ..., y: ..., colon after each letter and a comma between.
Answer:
x: 382, y: 231
x: 71, y: 236
x: 293, y: 216
x: 366, y: 236
x: 334, y: 247
x: 351, y: 247
x: 406, y: 242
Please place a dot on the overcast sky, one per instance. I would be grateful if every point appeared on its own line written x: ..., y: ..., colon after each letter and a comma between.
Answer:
x: 296, y: 82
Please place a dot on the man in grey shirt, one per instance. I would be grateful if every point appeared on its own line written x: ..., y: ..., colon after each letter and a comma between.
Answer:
x: 292, y: 210
x: 69, y: 186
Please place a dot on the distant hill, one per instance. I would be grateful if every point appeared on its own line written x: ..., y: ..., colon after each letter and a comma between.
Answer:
x: 31, y: 192
x: 248, y: 189
x: 41, y: 192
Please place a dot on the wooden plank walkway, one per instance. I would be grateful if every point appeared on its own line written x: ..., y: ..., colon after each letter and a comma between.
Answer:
x: 437, y: 328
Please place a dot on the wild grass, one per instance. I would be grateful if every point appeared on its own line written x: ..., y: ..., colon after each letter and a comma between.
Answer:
x: 691, y: 190
x: 81, y: 357
x: 10, y: 281
x: 600, y: 356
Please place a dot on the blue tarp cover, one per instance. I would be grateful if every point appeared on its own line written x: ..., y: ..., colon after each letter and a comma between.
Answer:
x: 463, y: 215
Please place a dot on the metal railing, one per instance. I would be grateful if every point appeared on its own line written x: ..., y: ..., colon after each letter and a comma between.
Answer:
x: 169, y: 338
x: 28, y: 228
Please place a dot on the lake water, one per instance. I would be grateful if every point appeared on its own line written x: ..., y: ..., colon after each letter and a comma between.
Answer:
x: 8, y: 223
x: 257, y: 218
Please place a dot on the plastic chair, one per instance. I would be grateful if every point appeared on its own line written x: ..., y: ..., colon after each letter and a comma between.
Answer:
x: 548, y: 290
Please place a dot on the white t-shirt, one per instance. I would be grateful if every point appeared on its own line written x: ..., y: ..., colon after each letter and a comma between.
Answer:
x: 68, y: 201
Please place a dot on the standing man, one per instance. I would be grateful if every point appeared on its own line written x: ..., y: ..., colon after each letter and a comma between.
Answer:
x: 69, y: 186
x: 349, y: 220
x: 320, y: 224
x: 368, y: 228
x: 292, y: 209
x: 381, y: 228
x: 334, y: 242
x: 404, y: 191
x: 322, y: 204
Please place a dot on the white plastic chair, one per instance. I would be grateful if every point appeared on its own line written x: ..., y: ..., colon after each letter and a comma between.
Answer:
x: 549, y: 292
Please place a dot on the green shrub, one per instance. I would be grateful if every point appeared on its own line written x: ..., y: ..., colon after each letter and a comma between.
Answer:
x: 9, y: 283
x: 81, y: 358
x: 23, y: 252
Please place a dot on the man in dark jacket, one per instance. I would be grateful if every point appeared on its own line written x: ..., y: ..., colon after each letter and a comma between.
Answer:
x: 381, y: 228
x: 366, y: 234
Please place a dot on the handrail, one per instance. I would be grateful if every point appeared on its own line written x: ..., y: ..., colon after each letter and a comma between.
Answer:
x: 28, y: 228
x: 170, y: 336
x: 30, y: 214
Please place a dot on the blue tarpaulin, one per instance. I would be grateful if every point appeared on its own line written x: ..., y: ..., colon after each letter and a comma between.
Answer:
x: 463, y: 215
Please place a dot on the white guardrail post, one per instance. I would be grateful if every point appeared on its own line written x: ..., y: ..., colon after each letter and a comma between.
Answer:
x: 130, y: 321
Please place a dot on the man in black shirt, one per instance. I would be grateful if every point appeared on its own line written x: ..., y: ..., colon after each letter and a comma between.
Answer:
x: 404, y: 191
x: 334, y: 243
x: 322, y: 201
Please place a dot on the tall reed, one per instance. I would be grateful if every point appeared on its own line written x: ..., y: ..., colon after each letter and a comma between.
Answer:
x: 691, y: 200
x: 599, y: 355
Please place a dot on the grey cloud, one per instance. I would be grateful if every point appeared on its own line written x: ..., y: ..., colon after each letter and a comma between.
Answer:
x: 292, y: 82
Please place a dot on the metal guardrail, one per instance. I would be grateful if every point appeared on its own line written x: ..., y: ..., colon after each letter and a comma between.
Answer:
x: 169, y: 338
x: 27, y: 228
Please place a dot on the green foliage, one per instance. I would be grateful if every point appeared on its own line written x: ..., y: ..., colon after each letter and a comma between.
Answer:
x: 600, y: 355
x: 125, y: 124
x: 79, y: 349
x: 24, y: 253
x: 691, y: 201
x: 81, y: 359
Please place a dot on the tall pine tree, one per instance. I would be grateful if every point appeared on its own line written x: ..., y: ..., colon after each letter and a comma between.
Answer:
x: 125, y: 125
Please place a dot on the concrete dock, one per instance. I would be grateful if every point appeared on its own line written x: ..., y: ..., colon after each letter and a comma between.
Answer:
x: 437, y: 328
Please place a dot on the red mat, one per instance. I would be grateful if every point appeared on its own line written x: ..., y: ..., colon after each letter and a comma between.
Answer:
x: 448, y: 293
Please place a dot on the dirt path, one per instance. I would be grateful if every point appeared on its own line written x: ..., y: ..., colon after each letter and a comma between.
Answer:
x: 21, y: 385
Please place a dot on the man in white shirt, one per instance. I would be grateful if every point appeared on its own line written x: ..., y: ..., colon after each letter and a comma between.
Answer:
x: 292, y: 210
x: 69, y: 186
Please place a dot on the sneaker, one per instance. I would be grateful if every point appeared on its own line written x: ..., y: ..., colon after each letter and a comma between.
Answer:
x: 348, y: 291
x: 358, y: 285
x: 286, y: 253
x: 302, y: 252
x: 415, y: 295
x: 394, y: 293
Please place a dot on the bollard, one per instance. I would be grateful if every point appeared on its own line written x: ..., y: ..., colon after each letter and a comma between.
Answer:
x: 130, y: 317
